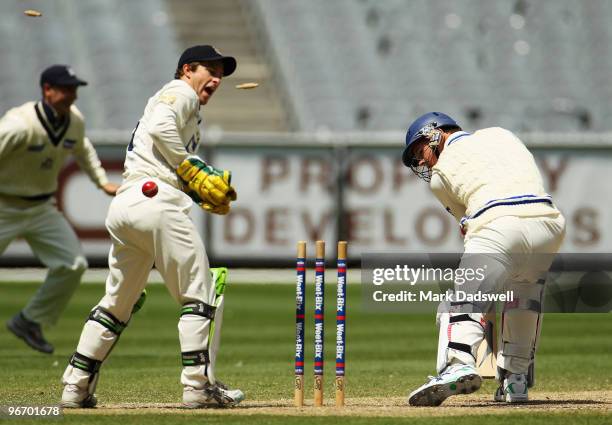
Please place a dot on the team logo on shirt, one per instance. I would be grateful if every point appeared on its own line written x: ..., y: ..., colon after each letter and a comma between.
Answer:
x: 69, y: 143
x: 47, y: 164
x: 167, y: 98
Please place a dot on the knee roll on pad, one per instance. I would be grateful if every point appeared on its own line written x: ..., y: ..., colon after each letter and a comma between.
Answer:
x: 79, y: 361
x: 199, y: 309
x: 108, y: 320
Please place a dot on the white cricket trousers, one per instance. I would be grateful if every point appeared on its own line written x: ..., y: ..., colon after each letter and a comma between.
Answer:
x: 154, y: 231
x: 146, y: 232
x: 519, y: 252
x: 55, y: 244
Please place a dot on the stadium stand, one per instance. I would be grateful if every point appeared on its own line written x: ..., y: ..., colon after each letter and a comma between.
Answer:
x: 126, y: 50
x: 342, y: 65
x: 98, y: 39
x: 520, y: 64
x: 226, y: 25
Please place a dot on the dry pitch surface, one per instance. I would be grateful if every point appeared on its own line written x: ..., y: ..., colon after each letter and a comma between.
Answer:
x: 388, y: 354
x: 473, y: 404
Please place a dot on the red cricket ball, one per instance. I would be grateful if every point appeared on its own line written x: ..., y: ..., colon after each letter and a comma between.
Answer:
x: 149, y: 189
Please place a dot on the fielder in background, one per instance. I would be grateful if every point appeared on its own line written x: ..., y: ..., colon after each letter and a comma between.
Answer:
x: 36, y: 138
x: 150, y: 226
x: 490, y: 183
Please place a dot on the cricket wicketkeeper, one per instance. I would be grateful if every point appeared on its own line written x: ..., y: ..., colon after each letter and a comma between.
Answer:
x: 490, y: 183
x: 149, y: 225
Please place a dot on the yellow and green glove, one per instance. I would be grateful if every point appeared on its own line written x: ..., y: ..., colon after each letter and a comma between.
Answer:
x: 209, y: 187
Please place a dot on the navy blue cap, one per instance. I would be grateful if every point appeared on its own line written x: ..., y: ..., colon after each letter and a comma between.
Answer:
x: 207, y: 53
x: 60, y: 75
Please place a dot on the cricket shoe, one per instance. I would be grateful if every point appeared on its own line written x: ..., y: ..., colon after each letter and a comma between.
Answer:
x: 455, y: 379
x: 30, y: 332
x: 74, y: 397
x: 513, y: 389
x: 217, y: 395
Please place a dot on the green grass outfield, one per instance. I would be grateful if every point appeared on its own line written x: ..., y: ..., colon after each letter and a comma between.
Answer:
x: 387, y: 356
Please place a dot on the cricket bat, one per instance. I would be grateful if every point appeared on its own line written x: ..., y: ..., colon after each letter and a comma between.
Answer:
x: 486, y: 357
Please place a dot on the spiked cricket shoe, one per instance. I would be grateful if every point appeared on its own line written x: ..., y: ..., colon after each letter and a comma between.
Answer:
x: 455, y: 379
x: 74, y: 397
x: 513, y: 389
x: 217, y: 395
x: 30, y: 332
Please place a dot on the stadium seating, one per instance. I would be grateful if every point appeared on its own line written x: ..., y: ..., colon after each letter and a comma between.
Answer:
x: 341, y: 65
x: 126, y: 50
x: 373, y: 65
x: 121, y: 49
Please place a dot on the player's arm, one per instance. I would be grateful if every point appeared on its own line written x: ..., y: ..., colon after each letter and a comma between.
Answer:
x: 208, y: 187
x: 87, y: 158
x: 441, y: 189
x: 169, y: 114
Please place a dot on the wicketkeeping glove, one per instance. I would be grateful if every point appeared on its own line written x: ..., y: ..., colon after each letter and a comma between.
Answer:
x: 207, y: 206
x: 215, y: 209
x: 211, y: 185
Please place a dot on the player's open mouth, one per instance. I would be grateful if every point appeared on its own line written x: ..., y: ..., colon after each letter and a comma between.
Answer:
x: 209, y: 90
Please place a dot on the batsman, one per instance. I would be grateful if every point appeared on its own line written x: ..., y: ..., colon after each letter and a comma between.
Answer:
x: 149, y: 225
x: 488, y: 180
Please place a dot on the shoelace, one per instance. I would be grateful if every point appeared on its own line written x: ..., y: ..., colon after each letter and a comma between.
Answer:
x: 447, y: 371
x: 221, y: 385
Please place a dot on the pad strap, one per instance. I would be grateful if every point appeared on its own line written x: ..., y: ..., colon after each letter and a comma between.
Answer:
x: 106, y: 319
x: 456, y: 345
x: 195, y: 358
x: 79, y: 361
x: 461, y: 347
x: 199, y: 309
x: 462, y: 318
